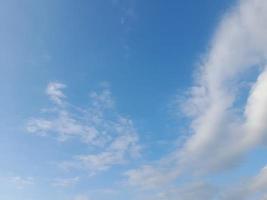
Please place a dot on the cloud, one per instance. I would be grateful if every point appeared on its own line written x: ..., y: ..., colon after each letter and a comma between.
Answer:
x: 149, y: 177
x: 111, y: 136
x: 115, y: 153
x: 251, y: 188
x: 127, y: 10
x: 254, y: 188
x: 65, y: 182
x: 128, y: 16
x: 198, y: 190
x: 193, y: 191
x: 54, y: 91
x: 81, y: 197
x: 21, y: 182
x: 117, y: 149
x: 64, y: 126
x: 222, y: 129
x: 216, y: 124
x: 40, y: 126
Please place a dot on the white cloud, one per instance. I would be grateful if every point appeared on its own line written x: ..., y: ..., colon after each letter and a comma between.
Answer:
x: 115, y: 152
x: 40, y: 126
x: 64, y: 126
x: 222, y: 130
x: 81, y: 197
x: 112, y: 137
x: 149, y: 177
x: 54, y: 91
x: 197, y: 190
x: 250, y: 188
x: 254, y: 188
x: 239, y: 45
x: 65, y: 182
x: 256, y: 111
x: 21, y: 182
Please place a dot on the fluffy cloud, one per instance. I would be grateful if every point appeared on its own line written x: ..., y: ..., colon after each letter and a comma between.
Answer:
x: 113, y: 137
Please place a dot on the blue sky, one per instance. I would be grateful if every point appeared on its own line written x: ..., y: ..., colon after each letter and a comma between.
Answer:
x: 115, y: 99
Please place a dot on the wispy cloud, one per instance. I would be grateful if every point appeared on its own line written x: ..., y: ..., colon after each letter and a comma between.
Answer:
x: 65, y: 182
x: 113, y: 137
x: 54, y: 91
x: 150, y: 177
x: 21, y: 182
x: 191, y: 191
x: 250, y: 188
x: 81, y: 197
x: 116, y: 152
x: 128, y: 16
x: 255, y: 187
x: 128, y: 12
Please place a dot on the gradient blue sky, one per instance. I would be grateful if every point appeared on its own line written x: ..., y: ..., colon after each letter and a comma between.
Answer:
x: 152, y: 74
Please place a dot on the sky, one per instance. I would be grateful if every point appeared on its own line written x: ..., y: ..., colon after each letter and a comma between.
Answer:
x: 131, y: 99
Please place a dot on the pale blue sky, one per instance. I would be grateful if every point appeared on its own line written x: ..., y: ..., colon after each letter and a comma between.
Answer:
x: 116, y: 99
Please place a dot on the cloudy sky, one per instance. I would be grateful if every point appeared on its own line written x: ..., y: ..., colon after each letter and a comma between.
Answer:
x: 132, y: 99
